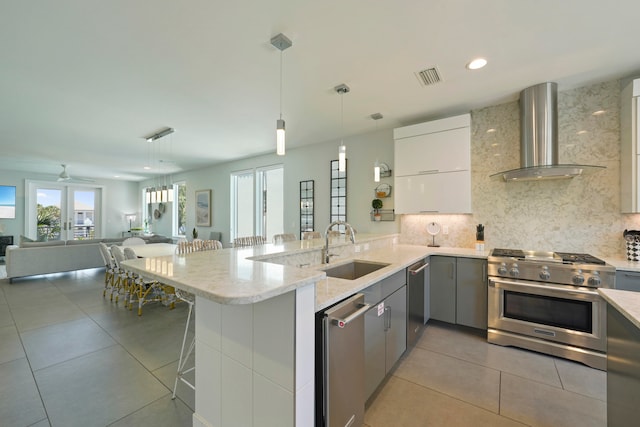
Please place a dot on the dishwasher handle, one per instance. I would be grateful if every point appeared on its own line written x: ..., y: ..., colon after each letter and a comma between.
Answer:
x: 342, y: 322
x: 414, y: 272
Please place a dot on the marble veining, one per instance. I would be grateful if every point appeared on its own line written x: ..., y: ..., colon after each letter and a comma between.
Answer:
x: 575, y: 215
x: 627, y: 302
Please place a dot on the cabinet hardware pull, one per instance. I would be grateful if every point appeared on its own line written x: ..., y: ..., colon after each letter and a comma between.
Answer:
x: 428, y: 172
x: 344, y: 322
x: 414, y: 272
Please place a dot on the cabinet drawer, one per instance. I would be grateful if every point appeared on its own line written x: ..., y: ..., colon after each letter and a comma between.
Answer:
x: 628, y: 280
x: 382, y: 289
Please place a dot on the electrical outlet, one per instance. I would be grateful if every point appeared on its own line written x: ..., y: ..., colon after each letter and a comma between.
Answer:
x: 357, y: 249
x: 445, y: 229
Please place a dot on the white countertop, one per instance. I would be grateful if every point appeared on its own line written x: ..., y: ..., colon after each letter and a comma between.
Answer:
x: 627, y: 303
x: 239, y: 276
x: 623, y: 264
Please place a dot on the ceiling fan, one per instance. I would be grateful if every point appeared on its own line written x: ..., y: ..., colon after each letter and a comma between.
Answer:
x: 64, y: 176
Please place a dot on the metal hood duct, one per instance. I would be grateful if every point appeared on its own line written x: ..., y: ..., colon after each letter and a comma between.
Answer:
x: 539, y: 138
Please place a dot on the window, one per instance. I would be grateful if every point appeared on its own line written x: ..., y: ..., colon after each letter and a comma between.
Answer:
x: 257, y: 202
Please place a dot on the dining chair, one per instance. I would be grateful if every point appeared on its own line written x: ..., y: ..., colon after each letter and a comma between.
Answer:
x: 110, y: 269
x: 190, y: 299
x: 308, y: 235
x: 122, y: 283
x: 285, y: 237
x: 133, y: 241
x: 241, y: 242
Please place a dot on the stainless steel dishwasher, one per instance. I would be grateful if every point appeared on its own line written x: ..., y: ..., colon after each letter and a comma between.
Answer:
x: 415, y: 301
x: 340, y: 368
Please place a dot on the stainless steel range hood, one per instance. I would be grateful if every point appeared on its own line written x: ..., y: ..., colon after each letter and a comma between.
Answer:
x: 539, y: 138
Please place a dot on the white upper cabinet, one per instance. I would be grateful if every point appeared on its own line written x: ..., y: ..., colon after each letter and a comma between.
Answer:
x: 629, y: 148
x: 432, y: 166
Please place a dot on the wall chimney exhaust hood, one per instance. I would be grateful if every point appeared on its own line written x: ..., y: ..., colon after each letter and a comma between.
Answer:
x: 539, y: 139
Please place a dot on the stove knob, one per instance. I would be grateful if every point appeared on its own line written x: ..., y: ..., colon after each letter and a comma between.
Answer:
x: 502, y: 270
x: 544, y: 274
x: 514, y: 272
x: 578, y: 279
x: 595, y: 281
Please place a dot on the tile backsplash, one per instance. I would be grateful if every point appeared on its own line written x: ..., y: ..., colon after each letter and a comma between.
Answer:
x: 574, y: 215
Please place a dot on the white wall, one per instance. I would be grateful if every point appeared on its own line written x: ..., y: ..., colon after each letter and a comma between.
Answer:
x: 304, y: 163
x: 120, y: 197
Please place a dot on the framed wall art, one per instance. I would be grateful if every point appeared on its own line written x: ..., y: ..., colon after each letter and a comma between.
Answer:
x: 203, y: 208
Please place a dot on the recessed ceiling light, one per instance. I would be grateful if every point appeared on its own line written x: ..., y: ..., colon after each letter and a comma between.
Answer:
x: 598, y: 113
x: 477, y: 64
x: 492, y: 130
x: 147, y: 168
x: 581, y: 132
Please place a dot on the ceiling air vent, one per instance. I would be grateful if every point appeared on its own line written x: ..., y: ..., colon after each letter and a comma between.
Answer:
x: 430, y: 76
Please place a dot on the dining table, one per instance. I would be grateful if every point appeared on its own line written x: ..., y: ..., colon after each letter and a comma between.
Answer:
x: 151, y: 250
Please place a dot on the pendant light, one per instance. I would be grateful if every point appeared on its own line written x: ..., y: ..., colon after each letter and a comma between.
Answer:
x: 376, y: 166
x: 280, y: 42
x: 342, y: 149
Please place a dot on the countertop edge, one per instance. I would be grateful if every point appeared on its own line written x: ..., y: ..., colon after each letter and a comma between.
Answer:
x: 626, y: 302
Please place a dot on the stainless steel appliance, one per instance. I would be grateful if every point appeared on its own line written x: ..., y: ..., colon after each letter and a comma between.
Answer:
x: 548, y: 302
x: 340, y: 366
x: 415, y: 303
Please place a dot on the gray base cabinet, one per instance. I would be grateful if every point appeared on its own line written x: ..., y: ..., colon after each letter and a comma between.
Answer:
x: 458, y: 290
x: 471, y: 293
x: 385, y: 337
x: 628, y: 280
x: 623, y: 370
x: 442, y: 270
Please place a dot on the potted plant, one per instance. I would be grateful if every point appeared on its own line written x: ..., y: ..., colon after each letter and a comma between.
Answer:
x: 376, y: 204
x: 194, y: 233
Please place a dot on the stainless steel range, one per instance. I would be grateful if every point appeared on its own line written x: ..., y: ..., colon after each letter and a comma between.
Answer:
x: 548, y: 302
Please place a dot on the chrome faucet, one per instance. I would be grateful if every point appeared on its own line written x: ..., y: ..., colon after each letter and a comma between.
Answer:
x: 352, y: 233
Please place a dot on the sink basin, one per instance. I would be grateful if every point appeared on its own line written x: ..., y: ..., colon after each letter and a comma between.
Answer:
x: 354, y: 269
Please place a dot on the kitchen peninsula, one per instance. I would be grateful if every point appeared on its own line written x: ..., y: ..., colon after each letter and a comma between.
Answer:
x: 255, y: 318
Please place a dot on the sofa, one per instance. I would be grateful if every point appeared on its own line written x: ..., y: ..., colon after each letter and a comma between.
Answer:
x: 56, y: 256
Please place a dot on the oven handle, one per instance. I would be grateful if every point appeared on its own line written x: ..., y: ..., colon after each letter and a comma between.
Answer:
x: 504, y: 284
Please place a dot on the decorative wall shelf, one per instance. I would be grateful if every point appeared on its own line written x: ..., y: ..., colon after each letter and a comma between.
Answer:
x: 382, y: 191
x: 386, y: 215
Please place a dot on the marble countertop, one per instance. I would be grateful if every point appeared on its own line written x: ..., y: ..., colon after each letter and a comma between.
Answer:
x: 623, y: 264
x: 627, y: 303
x: 244, y: 275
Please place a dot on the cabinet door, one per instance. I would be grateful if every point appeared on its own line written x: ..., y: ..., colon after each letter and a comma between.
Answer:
x: 374, y: 349
x: 443, y: 151
x: 628, y: 280
x: 443, y: 288
x: 396, y: 334
x: 471, y: 292
x: 439, y: 192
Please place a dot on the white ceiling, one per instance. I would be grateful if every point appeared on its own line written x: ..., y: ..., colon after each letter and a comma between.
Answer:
x: 82, y: 82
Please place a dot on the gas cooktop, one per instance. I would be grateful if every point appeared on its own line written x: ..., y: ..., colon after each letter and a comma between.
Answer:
x: 558, y: 257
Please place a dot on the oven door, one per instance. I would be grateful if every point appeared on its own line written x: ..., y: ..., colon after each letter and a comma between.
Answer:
x: 566, y: 314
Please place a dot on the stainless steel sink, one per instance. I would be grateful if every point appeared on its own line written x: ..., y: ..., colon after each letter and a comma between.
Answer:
x: 354, y: 269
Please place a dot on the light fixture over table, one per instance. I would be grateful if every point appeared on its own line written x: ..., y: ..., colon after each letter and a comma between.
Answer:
x: 280, y: 42
x: 162, y: 193
x: 342, y: 149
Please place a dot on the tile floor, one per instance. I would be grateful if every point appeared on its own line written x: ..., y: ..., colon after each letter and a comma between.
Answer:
x: 70, y: 358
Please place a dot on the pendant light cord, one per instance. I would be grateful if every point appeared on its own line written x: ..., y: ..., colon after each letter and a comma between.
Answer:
x: 280, y: 85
